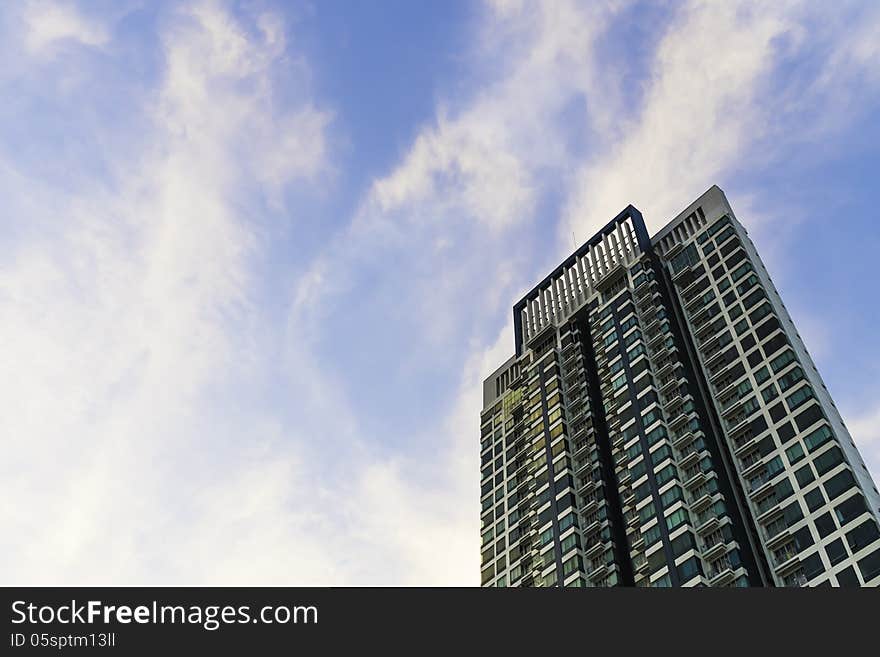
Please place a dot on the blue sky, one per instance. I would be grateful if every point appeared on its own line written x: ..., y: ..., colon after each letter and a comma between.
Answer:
x: 257, y: 257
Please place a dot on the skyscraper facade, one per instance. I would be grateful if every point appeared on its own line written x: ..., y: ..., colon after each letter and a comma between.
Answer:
x: 661, y: 423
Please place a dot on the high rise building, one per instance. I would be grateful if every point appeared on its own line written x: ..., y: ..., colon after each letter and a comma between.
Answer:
x: 662, y: 424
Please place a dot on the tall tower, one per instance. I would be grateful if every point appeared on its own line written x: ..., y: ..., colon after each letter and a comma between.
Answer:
x: 662, y: 424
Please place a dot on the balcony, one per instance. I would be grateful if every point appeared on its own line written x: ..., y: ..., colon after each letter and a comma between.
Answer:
x: 596, y: 549
x: 721, y: 576
x: 663, y: 366
x: 777, y: 539
x: 701, y: 500
x: 691, y: 456
x: 652, y: 339
x: 715, y: 549
x: 742, y: 444
x: 737, y: 422
x: 681, y: 438
x: 599, y: 571
x: 586, y: 487
x: 767, y: 508
x: 759, y: 485
x: 696, y: 479
x: 679, y: 420
x: 707, y: 522
x: 667, y: 384
x: 748, y: 463
x: 785, y: 557
x: 709, y: 361
x: 702, y: 316
x: 796, y: 579
x: 684, y: 279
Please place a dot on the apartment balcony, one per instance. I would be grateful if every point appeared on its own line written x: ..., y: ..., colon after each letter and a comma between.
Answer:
x: 698, y: 315
x: 714, y: 358
x: 738, y: 422
x: 638, y: 543
x: 596, y: 549
x: 768, y: 510
x: 582, y: 463
x: 703, y: 333
x: 668, y: 384
x: 784, y: 558
x: 664, y: 366
x: 599, y: 572
x: 714, y: 550
x: 696, y: 479
x: 687, y: 284
x: 743, y: 445
x: 640, y: 562
x: 796, y: 579
x: 717, y: 377
x: 691, y: 456
x: 681, y: 438
x: 701, y: 501
x: 656, y: 337
x: 759, y: 485
x: 777, y: 539
x: 644, y: 285
x: 586, y: 487
x: 722, y: 576
x: 707, y: 524
x: 679, y: 420
x: 749, y: 462
x: 691, y: 304
x: 729, y: 405
x: 592, y: 523
x: 583, y: 444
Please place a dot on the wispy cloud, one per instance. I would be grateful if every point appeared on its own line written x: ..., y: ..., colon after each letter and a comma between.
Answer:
x: 47, y: 23
x: 130, y: 326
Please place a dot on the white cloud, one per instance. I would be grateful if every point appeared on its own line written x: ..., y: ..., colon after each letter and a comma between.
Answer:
x: 129, y: 327
x: 484, y: 160
x: 726, y: 84
x: 47, y: 23
x: 864, y: 427
x: 699, y: 111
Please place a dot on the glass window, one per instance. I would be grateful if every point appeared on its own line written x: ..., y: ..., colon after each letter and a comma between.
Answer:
x: 839, y: 483
x: 805, y: 475
x: 791, y: 377
x: 665, y: 474
x: 795, y: 453
x: 769, y: 393
x: 762, y: 375
x: 825, y: 524
x: 782, y: 360
x: 850, y: 509
x: 828, y: 460
x: 571, y: 565
x: 569, y: 520
x: 816, y: 438
x: 798, y: 397
x: 689, y: 569
x: 647, y: 512
x: 870, y: 565
x: 814, y: 499
x: 676, y: 519
x: 671, y: 496
x: 651, y: 535
x: 836, y: 551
